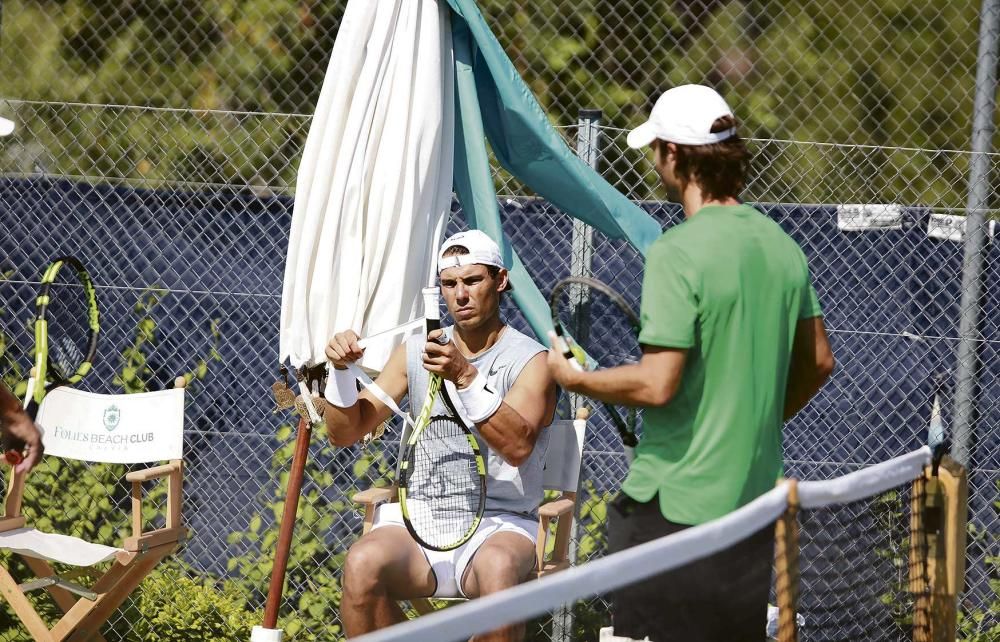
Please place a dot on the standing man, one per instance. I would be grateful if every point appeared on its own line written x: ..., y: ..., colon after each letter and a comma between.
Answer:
x: 733, y: 345
x: 501, y: 384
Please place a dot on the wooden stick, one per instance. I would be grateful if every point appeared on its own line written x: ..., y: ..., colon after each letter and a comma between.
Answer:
x: 295, y: 476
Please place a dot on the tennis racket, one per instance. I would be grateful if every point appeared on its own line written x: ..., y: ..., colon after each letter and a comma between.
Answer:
x: 67, y: 322
x: 442, y: 474
x: 596, y: 328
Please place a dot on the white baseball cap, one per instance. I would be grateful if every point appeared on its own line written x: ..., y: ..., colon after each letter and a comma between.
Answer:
x: 6, y: 126
x: 482, y: 250
x: 684, y: 115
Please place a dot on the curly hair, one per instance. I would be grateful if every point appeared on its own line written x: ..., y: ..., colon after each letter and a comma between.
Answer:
x: 720, y: 169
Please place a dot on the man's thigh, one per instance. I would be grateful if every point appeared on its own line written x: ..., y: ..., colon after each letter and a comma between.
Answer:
x: 721, y: 597
x: 505, y: 559
x: 389, y: 558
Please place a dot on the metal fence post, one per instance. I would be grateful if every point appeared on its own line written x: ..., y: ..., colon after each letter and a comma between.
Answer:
x: 975, y: 238
x: 588, y: 148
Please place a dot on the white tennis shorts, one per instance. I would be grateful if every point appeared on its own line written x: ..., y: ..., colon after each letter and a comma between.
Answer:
x: 449, y: 566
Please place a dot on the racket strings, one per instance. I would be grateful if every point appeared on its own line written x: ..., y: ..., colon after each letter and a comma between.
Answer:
x: 67, y: 316
x: 598, y: 325
x: 605, y: 329
x: 443, y: 493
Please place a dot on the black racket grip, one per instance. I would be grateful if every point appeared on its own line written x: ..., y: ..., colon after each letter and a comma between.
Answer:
x: 435, y: 324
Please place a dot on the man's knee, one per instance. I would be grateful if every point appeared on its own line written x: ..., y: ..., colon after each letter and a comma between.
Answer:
x: 498, y: 567
x: 365, y: 566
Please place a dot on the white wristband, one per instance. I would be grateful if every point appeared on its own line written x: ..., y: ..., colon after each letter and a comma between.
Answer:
x: 341, y: 389
x: 480, y: 402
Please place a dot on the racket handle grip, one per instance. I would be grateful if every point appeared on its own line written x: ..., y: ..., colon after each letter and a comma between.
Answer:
x: 563, y: 346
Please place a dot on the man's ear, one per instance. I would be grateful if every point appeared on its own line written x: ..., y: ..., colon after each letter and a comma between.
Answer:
x: 503, y: 280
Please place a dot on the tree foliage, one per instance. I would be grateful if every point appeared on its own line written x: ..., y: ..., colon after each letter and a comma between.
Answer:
x: 883, y: 73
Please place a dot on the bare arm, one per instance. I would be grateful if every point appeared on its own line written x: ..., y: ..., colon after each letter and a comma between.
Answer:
x: 526, y: 409
x: 346, y: 426
x: 811, y: 364
x: 651, y: 382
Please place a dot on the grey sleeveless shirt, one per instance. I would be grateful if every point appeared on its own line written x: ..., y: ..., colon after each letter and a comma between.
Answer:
x: 509, y: 489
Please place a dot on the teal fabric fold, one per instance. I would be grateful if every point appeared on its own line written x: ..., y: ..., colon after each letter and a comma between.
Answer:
x: 493, y: 103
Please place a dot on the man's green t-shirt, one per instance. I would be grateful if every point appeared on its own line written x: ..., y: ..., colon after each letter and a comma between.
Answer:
x: 729, y: 286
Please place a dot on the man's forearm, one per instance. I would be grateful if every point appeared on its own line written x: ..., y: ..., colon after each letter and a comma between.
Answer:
x: 509, y: 434
x: 629, y: 385
x: 343, y: 424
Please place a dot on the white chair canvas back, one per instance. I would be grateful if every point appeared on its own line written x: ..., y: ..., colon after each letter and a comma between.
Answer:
x: 113, y: 429
x: 563, y: 457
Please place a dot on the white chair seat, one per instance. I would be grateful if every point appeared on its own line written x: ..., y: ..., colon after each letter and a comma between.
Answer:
x: 56, y: 548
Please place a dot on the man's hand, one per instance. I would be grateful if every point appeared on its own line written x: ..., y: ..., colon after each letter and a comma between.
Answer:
x: 343, y: 349
x: 19, y: 426
x: 447, y: 360
x: 559, y: 366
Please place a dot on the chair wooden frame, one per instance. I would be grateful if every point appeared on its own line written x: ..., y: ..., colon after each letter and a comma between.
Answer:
x: 561, y: 510
x: 83, y: 616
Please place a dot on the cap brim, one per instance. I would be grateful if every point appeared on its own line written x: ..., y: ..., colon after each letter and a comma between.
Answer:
x: 641, y: 136
x: 6, y: 127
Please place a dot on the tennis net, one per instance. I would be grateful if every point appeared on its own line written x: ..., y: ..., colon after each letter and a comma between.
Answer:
x: 858, y: 557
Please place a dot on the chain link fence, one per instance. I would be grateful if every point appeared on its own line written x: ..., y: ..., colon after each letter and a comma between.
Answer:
x: 159, y: 141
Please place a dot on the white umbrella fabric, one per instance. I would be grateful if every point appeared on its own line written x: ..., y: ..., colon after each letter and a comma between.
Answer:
x: 373, y: 190
x: 375, y: 181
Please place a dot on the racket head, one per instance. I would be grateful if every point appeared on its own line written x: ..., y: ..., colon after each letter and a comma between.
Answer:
x: 442, y: 484
x: 67, y: 324
x: 599, y: 327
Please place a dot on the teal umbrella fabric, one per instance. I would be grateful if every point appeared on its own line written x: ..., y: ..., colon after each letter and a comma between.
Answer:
x: 493, y: 103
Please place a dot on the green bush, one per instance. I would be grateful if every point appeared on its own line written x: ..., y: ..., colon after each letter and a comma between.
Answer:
x: 983, y: 624
x: 172, y: 607
x: 311, y: 602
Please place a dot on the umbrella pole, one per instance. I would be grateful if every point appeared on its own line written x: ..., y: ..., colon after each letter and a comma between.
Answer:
x: 287, y: 523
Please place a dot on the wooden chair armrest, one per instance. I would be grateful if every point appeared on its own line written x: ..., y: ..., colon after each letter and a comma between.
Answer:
x: 153, y: 473
x: 374, y: 495
x: 371, y: 498
x: 152, y: 539
x: 556, y: 507
x: 174, y: 472
x: 11, y: 523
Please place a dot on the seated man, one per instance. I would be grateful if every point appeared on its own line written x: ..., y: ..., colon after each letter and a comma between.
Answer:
x: 502, y: 386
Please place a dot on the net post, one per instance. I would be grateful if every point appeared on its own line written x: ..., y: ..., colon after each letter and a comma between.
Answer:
x: 588, y: 148
x: 919, y: 585
x: 948, y: 559
x: 786, y: 562
x: 588, y: 141
x: 955, y: 483
x: 937, y: 563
